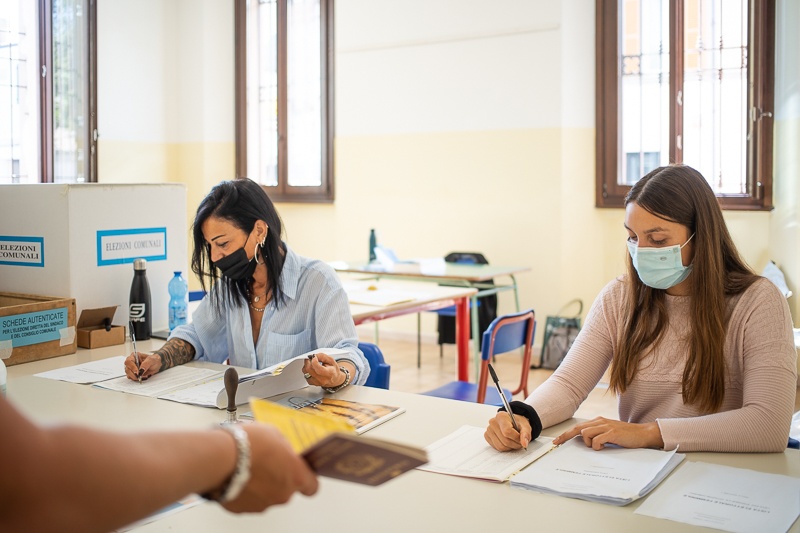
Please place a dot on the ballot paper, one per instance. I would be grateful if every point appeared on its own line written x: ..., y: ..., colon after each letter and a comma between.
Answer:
x: 726, y: 498
x: 613, y: 475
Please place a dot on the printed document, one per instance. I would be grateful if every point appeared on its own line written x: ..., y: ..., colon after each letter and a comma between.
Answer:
x: 612, y: 475
x: 726, y: 498
x: 167, y: 381
x: 90, y: 372
x: 466, y: 453
x: 206, y: 387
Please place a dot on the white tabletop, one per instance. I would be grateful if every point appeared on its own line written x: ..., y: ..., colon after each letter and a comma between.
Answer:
x: 416, y: 501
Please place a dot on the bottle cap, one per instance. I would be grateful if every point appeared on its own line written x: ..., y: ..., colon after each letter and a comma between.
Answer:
x: 140, y: 264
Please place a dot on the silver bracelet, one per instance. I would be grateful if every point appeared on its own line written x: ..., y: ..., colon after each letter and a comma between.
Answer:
x: 344, y: 384
x: 241, y: 473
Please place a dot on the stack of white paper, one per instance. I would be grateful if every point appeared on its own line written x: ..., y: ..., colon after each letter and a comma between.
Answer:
x: 612, y: 475
x: 726, y: 498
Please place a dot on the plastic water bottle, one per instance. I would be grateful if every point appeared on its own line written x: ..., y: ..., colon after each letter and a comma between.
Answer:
x: 373, y: 242
x: 3, y: 378
x: 178, y: 301
x: 140, y: 311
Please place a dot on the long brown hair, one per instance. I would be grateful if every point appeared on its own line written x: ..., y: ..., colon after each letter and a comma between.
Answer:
x: 679, y: 193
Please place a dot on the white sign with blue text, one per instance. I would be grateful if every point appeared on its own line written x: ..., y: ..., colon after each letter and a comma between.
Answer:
x: 115, y: 247
x: 22, y: 251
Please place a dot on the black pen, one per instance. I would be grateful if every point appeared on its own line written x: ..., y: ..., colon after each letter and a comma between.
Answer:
x: 503, y: 397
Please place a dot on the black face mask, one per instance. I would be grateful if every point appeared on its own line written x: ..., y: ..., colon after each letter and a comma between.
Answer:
x: 236, y: 266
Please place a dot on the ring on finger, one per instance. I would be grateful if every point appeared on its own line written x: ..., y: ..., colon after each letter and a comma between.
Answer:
x: 307, y: 375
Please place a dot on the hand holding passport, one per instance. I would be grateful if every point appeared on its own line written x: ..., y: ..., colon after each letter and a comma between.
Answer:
x: 332, y: 448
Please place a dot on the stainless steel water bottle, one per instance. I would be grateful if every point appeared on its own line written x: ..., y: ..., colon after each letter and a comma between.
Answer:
x: 140, y: 311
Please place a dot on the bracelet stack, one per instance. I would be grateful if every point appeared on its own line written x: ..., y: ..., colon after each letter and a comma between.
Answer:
x: 344, y: 384
x: 231, y: 489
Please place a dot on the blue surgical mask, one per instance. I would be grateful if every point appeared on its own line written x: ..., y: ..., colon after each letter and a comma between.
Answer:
x: 660, y: 268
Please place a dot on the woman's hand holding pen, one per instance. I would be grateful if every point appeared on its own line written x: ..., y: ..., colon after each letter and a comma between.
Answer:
x: 323, y: 370
x: 502, y: 436
x: 149, y: 364
x: 601, y: 431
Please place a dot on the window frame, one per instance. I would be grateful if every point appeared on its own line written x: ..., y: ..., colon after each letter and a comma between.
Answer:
x: 761, y: 82
x: 283, y: 192
x: 46, y: 144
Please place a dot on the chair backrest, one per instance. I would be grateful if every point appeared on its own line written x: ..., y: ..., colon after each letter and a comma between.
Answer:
x: 504, y: 334
x: 379, y: 370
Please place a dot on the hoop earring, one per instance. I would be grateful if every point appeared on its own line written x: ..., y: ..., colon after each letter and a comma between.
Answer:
x: 255, y: 252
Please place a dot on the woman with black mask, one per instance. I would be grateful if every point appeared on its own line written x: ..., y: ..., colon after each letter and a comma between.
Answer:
x: 265, y: 304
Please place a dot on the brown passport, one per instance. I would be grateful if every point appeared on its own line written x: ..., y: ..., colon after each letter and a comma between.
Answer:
x: 362, y: 460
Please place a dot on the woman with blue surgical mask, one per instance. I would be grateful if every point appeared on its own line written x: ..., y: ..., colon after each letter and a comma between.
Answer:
x: 265, y: 303
x: 700, y: 349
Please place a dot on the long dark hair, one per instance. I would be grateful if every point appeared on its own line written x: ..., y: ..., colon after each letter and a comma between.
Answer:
x: 679, y: 193
x: 241, y: 202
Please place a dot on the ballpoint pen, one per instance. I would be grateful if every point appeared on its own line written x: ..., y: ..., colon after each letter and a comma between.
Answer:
x: 503, y: 397
x: 135, y: 353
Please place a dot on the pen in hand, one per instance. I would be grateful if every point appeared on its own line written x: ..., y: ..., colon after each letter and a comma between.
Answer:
x: 135, y: 353
x: 503, y: 397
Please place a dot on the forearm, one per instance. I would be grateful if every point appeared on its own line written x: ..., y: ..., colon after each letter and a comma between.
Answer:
x: 74, y: 479
x: 175, y: 352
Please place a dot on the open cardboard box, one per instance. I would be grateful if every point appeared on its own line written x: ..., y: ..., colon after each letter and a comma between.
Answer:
x: 34, y: 327
x: 95, y: 329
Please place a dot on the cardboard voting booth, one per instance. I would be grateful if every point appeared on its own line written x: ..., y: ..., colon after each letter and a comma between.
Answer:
x: 80, y: 240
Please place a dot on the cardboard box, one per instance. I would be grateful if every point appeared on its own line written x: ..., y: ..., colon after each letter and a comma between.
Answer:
x: 35, y: 327
x: 81, y: 240
x: 92, y: 331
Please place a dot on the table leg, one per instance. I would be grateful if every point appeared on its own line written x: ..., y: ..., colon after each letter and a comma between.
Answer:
x: 462, y: 338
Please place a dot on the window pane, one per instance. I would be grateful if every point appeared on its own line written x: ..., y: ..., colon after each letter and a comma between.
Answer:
x: 70, y: 102
x: 644, y: 87
x: 19, y: 92
x: 304, y: 85
x: 262, y: 91
x: 715, y: 92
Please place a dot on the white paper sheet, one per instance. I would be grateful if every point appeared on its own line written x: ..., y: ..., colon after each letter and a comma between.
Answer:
x: 90, y: 372
x: 175, y: 378
x: 466, y: 453
x: 726, y: 498
x: 612, y: 475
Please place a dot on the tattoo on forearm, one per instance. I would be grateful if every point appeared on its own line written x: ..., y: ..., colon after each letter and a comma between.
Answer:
x: 175, y: 352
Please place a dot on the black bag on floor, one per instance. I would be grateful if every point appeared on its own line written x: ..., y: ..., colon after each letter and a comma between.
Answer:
x: 559, y: 334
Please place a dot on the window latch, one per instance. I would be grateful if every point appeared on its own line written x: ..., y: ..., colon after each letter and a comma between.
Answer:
x: 757, y: 114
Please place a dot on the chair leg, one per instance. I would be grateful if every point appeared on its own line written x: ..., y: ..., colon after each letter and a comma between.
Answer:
x: 419, y: 341
x: 441, y: 351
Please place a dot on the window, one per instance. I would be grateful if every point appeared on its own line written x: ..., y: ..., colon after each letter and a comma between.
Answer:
x: 284, y: 97
x: 686, y: 81
x: 47, y: 91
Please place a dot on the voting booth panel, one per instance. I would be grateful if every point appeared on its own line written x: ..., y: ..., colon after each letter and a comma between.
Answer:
x: 80, y: 240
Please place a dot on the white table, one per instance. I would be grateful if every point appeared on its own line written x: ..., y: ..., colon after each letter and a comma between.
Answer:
x: 416, y: 501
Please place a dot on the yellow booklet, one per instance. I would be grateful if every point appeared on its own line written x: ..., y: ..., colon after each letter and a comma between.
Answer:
x: 332, y: 449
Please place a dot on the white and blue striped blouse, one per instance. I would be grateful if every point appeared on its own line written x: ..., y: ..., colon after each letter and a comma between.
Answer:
x: 315, y: 314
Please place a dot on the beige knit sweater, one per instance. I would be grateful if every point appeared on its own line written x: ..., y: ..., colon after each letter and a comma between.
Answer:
x: 760, y: 386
